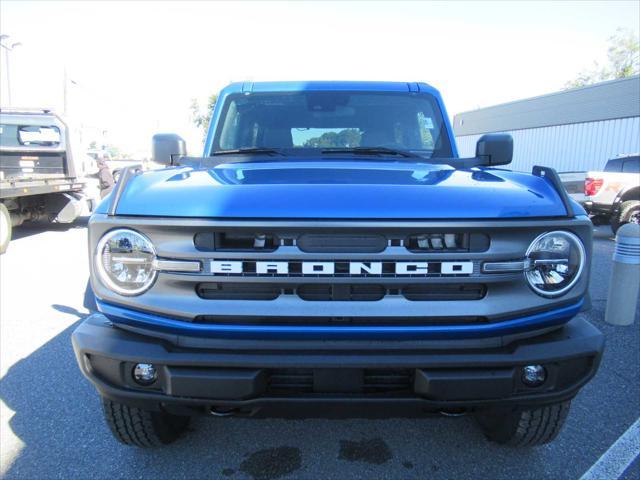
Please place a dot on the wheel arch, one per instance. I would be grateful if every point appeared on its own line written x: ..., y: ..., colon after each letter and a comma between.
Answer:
x: 629, y: 193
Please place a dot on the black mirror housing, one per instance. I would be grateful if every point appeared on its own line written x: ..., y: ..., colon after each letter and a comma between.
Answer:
x: 495, y: 149
x: 167, y: 148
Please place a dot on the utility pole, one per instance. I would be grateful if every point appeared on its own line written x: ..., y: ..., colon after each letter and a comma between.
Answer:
x: 9, y: 47
x: 64, y: 95
x: 65, y: 91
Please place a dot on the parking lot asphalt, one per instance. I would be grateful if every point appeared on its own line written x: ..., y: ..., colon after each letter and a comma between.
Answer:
x: 52, y: 427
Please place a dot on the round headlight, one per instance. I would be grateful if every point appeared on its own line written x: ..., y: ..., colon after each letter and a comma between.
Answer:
x: 556, y: 260
x: 124, y: 262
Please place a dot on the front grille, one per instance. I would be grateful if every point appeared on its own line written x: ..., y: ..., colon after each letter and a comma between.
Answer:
x: 291, y: 272
x: 447, y: 242
x: 235, y: 241
x: 335, y: 243
x: 387, y: 380
x: 238, y: 291
x: 444, y: 292
x: 340, y: 292
x: 290, y: 381
x: 325, y: 321
x: 365, y: 242
x: 296, y: 381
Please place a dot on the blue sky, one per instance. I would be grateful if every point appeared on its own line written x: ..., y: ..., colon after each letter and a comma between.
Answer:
x: 136, y: 66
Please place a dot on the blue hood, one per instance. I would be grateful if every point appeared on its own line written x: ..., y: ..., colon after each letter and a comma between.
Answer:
x: 338, y: 190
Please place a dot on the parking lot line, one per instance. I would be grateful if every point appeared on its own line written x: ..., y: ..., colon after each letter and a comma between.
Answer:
x: 618, y: 457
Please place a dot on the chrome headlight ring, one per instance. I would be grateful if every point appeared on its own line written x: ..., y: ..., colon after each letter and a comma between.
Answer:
x: 556, y: 262
x: 124, y: 262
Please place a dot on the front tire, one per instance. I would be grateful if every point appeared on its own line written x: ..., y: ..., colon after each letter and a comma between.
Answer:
x: 142, y: 428
x: 5, y: 228
x: 524, y: 427
x: 629, y: 213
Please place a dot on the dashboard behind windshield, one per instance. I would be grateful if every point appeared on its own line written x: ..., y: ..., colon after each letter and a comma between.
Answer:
x: 316, y: 121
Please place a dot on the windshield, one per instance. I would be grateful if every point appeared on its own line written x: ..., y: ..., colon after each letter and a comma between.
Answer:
x: 319, y: 121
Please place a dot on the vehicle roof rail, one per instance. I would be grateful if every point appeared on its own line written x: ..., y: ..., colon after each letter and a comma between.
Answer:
x: 553, y: 177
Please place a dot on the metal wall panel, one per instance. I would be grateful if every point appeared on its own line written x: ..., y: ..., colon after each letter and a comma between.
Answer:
x: 567, y: 148
x: 601, y: 101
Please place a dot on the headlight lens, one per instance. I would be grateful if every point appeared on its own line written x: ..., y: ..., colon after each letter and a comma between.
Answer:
x: 124, y: 262
x: 556, y: 261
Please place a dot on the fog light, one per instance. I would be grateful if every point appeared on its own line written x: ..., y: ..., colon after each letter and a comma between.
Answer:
x: 145, y: 373
x: 533, y: 375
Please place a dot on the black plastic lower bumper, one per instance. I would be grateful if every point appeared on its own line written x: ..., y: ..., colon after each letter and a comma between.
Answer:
x: 386, y: 374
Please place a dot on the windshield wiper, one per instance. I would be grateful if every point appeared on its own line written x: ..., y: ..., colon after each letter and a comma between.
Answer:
x: 372, y: 151
x: 249, y: 151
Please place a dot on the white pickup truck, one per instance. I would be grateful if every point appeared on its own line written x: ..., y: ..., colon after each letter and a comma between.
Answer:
x: 615, y: 192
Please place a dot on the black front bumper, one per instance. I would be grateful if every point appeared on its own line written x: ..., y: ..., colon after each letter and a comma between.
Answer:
x: 323, y: 375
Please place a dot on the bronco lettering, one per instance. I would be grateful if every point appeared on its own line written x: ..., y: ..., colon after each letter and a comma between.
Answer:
x: 248, y: 267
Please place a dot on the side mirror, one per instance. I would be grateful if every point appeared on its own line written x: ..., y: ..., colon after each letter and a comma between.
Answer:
x: 167, y: 148
x: 495, y: 149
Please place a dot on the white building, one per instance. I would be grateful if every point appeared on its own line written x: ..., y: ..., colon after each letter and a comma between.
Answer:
x: 574, y: 130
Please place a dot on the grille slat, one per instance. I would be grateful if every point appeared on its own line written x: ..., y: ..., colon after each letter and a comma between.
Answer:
x: 340, y: 243
x: 375, y: 381
x: 238, y: 291
x: 245, y: 240
x: 340, y: 292
x: 444, y: 292
x: 290, y: 380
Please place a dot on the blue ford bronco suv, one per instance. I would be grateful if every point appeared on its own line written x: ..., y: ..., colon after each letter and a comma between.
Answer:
x: 331, y: 255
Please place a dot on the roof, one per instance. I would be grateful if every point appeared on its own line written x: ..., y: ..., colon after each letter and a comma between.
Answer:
x: 259, y: 87
x: 25, y: 111
x: 601, y: 101
x: 29, y: 118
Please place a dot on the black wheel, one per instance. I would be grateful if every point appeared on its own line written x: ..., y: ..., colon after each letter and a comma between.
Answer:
x: 5, y: 228
x: 142, y: 428
x: 629, y: 213
x: 524, y: 427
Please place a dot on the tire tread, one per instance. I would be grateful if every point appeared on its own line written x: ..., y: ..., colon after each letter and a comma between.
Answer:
x: 525, y: 427
x: 141, y: 428
x: 540, y: 425
x: 624, y: 214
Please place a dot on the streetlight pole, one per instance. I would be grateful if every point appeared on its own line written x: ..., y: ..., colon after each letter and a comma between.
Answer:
x: 9, y: 47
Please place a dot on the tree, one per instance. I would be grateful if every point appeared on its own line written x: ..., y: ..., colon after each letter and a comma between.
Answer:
x: 114, y: 152
x: 624, y: 54
x: 623, y: 58
x: 349, y: 137
x: 201, y: 118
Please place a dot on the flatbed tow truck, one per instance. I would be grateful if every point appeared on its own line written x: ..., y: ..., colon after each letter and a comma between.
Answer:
x: 39, y: 179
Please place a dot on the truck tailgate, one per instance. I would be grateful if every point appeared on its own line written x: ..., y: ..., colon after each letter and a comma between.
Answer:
x: 573, y: 183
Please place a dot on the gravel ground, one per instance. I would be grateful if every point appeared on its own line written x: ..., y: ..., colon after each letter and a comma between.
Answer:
x: 51, y: 425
